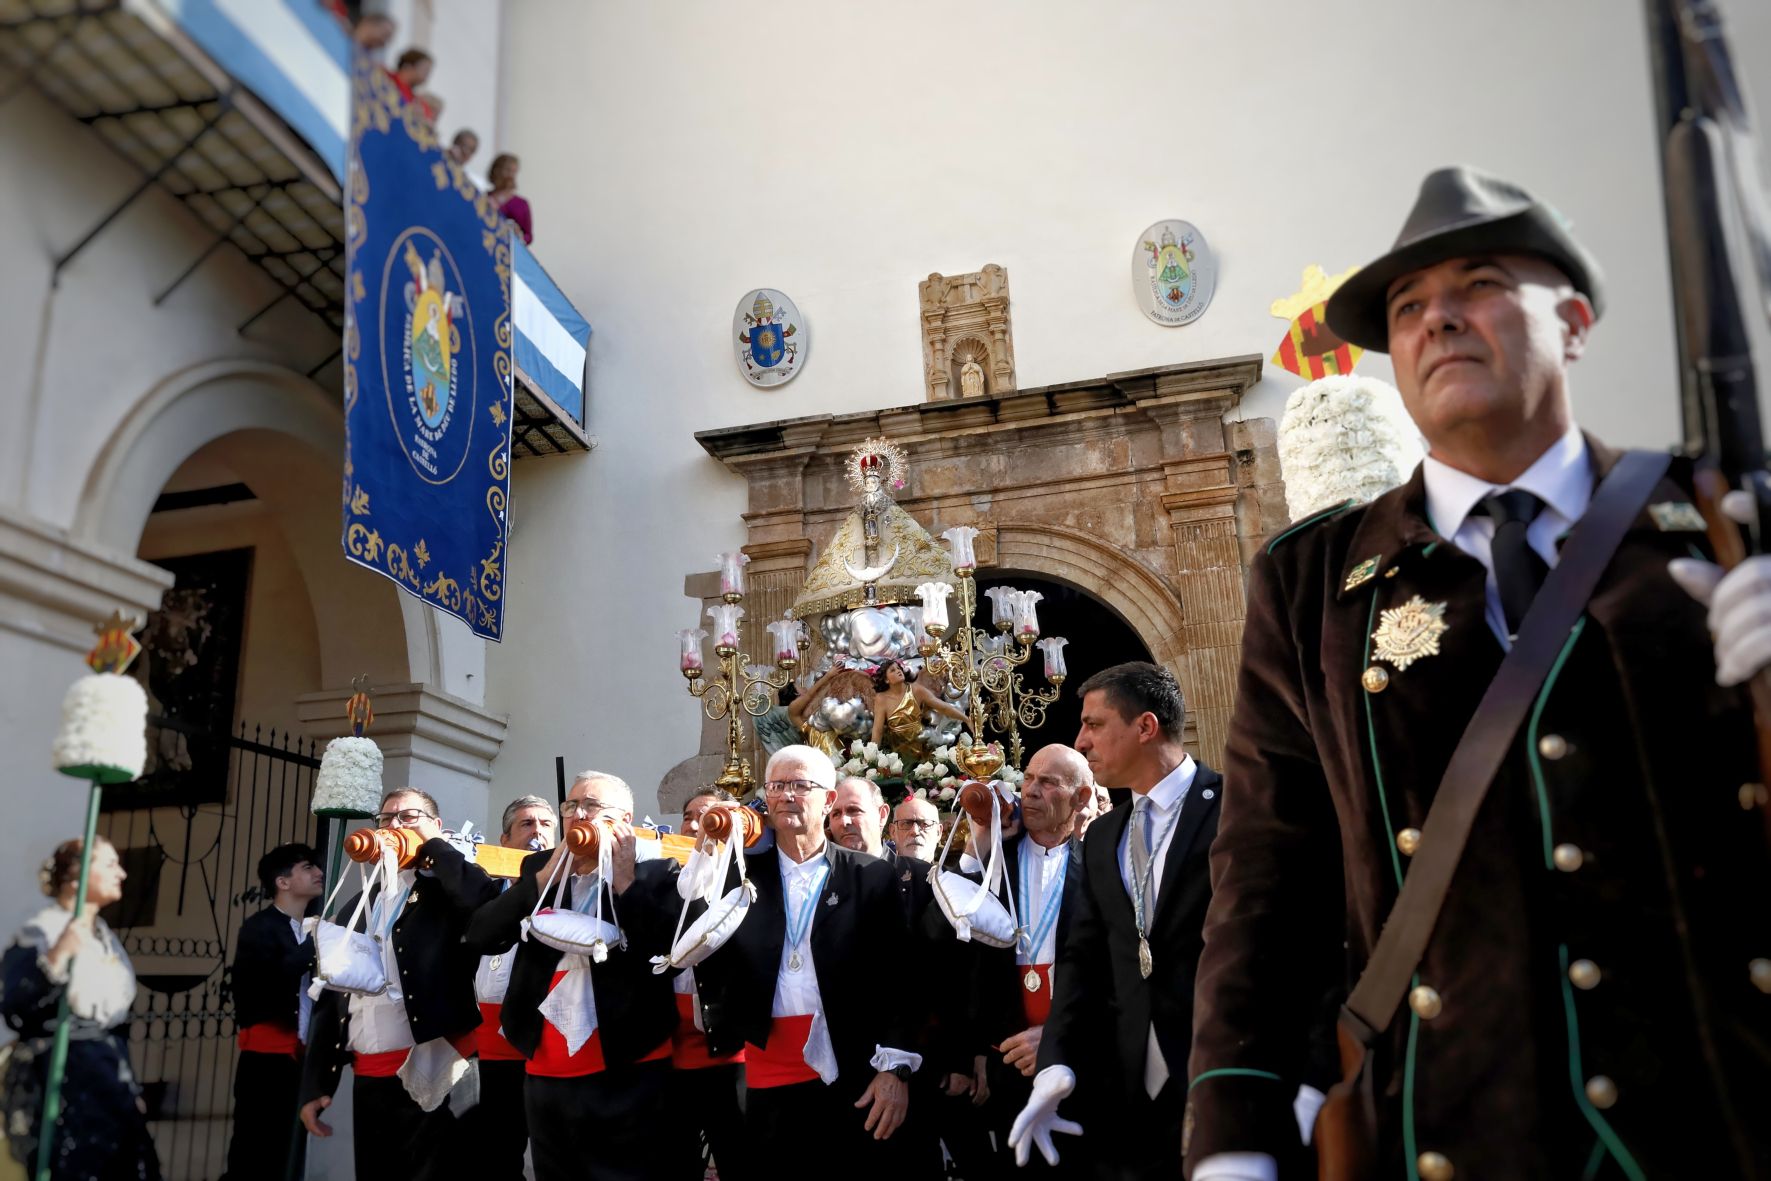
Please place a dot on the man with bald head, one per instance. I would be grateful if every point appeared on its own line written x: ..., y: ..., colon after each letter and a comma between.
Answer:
x: 1019, y: 983
x: 596, y: 1032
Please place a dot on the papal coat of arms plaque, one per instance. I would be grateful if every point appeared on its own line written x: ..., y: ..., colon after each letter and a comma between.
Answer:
x: 769, y: 336
x: 1173, y: 272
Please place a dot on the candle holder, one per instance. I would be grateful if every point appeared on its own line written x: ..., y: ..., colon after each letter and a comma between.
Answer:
x: 987, y: 667
x: 738, y: 685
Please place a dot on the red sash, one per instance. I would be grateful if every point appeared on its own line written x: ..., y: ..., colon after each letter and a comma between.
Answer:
x: 491, y: 1043
x: 783, y: 1061
x: 553, y: 1060
x: 267, y: 1037
x: 387, y: 1064
x: 689, y: 1045
x: 1035, y: 1006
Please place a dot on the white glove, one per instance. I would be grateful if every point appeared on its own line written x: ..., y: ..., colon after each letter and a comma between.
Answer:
x: 1739, y: 602
x: 1039, y: 1119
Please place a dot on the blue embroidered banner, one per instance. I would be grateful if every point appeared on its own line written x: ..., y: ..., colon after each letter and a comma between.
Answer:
x: 427, y: 361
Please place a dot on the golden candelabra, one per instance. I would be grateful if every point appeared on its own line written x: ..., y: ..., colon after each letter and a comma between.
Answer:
x: 741, y: 687
x: 988, y: 672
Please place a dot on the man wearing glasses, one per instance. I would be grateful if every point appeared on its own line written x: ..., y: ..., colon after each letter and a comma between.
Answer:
x: 916, y: 829
x: 814, y: 986
x: 596, y: 1033
x: 404, y: 1045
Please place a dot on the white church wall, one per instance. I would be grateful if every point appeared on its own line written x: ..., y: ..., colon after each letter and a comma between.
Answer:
x: 679, y: 155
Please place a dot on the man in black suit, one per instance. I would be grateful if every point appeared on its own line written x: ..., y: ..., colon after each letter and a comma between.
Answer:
x: 596, y: 1085
x: 1122, y: 1015
x: 271, y: 965
x: 813, y: 987
x: 938, y: 967
x: 404, y: 1045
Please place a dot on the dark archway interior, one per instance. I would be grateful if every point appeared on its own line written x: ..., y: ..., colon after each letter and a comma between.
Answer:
x: 1098, y: 639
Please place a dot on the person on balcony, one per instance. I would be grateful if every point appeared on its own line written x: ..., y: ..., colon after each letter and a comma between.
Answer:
x: 504, y: 195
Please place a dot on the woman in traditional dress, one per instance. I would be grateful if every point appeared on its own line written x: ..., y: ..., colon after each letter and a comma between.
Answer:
x: 103, y: 1131
x: 899, y: 704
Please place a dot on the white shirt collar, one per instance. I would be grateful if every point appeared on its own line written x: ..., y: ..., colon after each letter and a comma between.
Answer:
x: 1171, y: 789
x: 792, y: 868
x: 1029, y: 845
x: 1562, y: 477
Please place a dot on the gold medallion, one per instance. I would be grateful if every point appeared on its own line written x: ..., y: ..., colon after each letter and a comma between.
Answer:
x: 1145, y: 964
x: 1362, y: 573
x: 1410, y: 632
x: 1031, y: 980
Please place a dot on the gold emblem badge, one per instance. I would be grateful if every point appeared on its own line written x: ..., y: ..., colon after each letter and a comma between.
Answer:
x: 1407, y: 633
x: 1363, y: 572
x: 1676, y: 516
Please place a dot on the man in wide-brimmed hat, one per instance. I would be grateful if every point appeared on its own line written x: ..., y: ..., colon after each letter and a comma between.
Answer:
x: 1592, y: 999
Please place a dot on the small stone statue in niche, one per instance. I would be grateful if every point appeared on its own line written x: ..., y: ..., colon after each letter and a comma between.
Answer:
x: 971, y: 380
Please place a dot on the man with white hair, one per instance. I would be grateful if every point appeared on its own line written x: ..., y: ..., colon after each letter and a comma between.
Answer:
x: 596, y: 1033
x: 916, y: 829
x: 802, y: 982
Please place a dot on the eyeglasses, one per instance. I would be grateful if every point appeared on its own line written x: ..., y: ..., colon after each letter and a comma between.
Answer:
x: 798, y: 787
x: 404, y: 816
x: 917, y: 825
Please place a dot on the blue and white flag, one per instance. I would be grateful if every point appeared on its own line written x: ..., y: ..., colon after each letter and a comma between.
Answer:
x: 427, y: 352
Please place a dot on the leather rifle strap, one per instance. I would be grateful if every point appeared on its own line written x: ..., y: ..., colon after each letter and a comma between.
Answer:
x: 1489, y: 736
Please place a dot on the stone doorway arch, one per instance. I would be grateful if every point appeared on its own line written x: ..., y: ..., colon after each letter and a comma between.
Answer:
x: 1133, y: 487
x: 287, y: 434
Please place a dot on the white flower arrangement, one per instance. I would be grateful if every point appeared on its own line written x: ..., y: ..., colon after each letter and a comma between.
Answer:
x: 1344, y: 438
x: 349, y: 783
x: 870, y: 761
x: 104, y: 728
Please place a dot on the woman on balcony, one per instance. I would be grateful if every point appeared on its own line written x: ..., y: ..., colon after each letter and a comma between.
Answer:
x: 504, y: 195
x: 103, y: 1131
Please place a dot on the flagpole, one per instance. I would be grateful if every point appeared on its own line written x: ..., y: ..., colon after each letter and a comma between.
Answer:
x: 58, y: 1057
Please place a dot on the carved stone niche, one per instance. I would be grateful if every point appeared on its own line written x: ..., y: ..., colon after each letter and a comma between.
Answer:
x: 968, y: 348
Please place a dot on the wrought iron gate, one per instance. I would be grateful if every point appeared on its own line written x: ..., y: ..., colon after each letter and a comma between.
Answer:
x: 181, y: 1037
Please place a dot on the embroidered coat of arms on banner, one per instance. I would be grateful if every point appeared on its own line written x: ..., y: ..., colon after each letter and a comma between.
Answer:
x: 427, y: 357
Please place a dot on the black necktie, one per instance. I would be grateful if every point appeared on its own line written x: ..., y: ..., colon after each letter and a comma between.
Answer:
x: 1518, y: 570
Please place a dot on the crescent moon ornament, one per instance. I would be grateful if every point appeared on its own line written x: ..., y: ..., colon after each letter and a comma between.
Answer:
x: 873, y: 573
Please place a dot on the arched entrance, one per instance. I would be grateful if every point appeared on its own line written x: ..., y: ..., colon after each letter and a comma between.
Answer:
x: 1099, y: 639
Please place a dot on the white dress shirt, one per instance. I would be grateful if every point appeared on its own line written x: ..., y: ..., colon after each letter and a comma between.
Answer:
x: 1165, y: 800
x: 796, y: 993
x: 304, y: 1003
x: 378, y: 1023
x: 1039, y: 867
x: 491, y: 980
x: 1562, y: 477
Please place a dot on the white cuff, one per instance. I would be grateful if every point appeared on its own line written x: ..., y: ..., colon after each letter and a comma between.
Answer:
x: 970, y: 864
x: 884, y: 1058
x: 1308, y: 1103
x: 1237, y: 1166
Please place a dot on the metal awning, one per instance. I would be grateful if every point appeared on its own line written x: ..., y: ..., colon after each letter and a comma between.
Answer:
x: 131, y: 75
x: 222, y: 104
